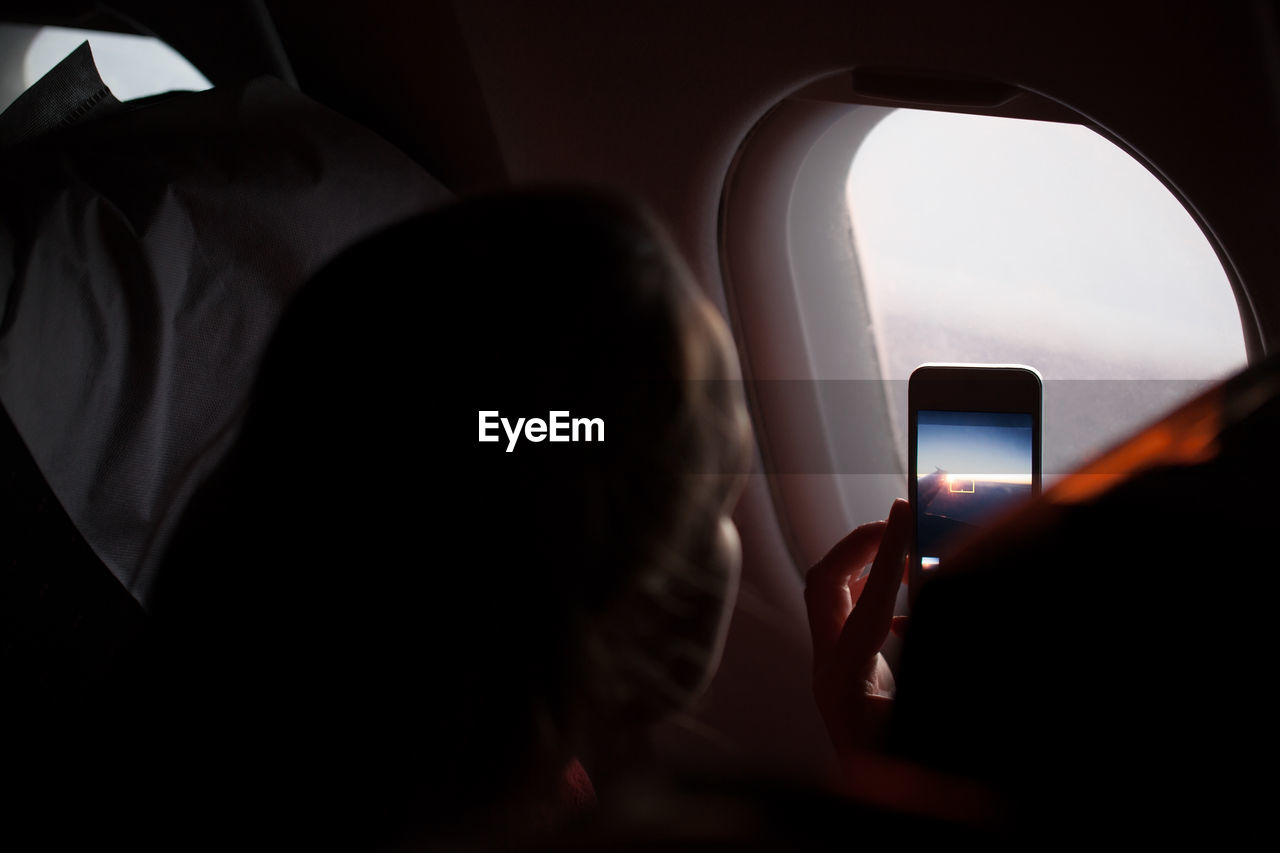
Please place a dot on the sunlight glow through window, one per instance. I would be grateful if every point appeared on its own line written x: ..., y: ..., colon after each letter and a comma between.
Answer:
x: 993, y: 240
x: 998, y: 240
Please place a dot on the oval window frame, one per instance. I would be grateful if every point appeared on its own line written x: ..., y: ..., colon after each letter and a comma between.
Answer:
x: 784, y: 229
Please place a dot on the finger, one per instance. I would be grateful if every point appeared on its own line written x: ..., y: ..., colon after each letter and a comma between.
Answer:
x: 899, y: 626
x: 868, y: 626
x: 828, y: 596
x: 847, y: 556
x: 881, y: 590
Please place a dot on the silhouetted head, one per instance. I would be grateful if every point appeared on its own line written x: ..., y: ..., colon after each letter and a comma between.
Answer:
x: 380, y: 601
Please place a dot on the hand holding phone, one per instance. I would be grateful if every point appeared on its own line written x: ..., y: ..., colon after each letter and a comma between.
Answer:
x: 974, y: 451
x: 850, y: 615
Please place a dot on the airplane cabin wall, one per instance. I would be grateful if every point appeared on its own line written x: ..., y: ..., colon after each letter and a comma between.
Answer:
x: 655, y: 98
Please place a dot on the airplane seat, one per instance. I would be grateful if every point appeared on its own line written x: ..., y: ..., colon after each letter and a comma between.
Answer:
x: 65, y: 622
x: 147, y: 249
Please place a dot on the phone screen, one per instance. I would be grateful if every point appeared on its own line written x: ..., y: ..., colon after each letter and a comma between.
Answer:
x: 969, y: 467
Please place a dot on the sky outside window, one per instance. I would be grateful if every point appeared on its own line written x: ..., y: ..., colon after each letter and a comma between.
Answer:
x: 991, y: 240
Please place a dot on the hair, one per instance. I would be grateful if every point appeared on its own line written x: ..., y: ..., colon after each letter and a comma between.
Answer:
x: 381, y: 597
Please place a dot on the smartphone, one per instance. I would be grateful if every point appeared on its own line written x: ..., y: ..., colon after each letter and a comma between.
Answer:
x: 973, y: 449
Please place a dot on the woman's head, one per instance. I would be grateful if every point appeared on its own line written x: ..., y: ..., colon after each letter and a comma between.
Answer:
x: 624, y: 545
x: 479, y: 609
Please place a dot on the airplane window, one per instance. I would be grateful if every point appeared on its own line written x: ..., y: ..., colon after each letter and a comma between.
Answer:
x: 132, y: 66
x: 993, y: 240
x: 859, y: 241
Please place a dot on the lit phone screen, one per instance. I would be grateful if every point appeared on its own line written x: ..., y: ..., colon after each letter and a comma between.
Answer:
x: 969, y: 467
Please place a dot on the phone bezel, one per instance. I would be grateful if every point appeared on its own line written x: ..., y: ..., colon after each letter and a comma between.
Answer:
x: 1012, y: 388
